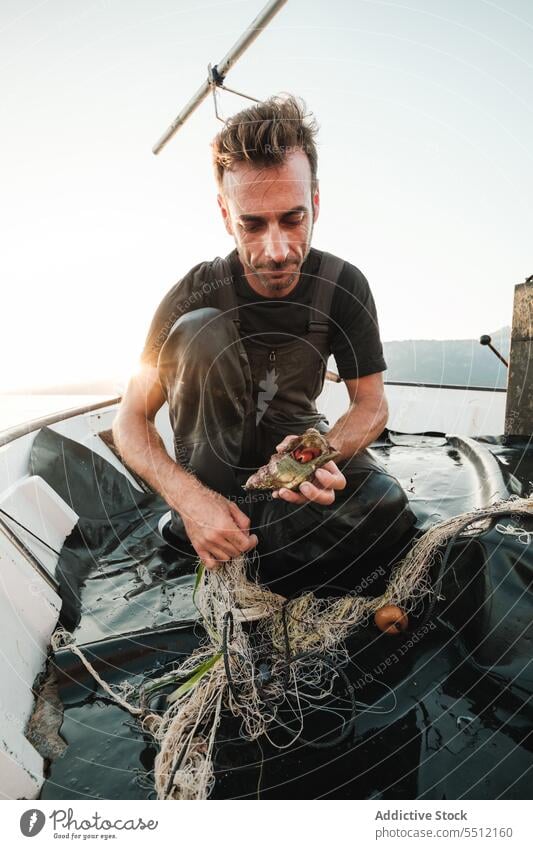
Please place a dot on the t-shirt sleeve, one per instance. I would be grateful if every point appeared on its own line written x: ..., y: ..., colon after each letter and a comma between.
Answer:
x: 355, y: 341
x: 184, y: 296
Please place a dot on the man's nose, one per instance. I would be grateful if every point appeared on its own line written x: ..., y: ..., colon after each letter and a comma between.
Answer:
x: 277, y: 244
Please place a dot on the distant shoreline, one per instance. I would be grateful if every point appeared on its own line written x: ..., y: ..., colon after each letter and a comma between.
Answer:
x: 462, y: 362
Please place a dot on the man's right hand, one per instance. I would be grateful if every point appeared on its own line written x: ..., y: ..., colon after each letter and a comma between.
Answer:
x: 217, y: 529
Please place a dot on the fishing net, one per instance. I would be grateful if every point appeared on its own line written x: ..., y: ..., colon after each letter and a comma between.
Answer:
x: 266, y: 656
x: 303, y: 639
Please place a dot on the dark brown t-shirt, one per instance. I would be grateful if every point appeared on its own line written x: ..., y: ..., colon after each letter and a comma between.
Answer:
x: 354, y: 331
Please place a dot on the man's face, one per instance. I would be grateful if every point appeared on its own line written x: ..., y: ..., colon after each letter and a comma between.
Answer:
x: 270, y: 213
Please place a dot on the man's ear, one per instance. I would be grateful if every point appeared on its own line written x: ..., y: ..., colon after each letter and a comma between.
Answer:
x: 316, y: 203
x: 225, y: 214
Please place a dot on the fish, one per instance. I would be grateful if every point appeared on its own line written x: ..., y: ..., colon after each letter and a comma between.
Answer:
x: 298, y: 462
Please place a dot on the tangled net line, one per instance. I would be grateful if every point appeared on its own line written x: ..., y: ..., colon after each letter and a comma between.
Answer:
x: 305, y: 642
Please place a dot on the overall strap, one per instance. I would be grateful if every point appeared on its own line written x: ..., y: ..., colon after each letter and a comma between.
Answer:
x: 327, y: 276
x: 222, y: 294
x: 222, y: 291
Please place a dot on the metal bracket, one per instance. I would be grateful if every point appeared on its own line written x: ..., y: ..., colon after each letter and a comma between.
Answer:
x: 216, y: 80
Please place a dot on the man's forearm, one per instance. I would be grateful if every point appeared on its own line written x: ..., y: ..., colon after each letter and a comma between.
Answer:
x: 144, y: 451
x: 359, y: 426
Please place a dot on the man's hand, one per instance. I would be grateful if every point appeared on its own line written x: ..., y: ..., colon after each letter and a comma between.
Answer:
x: 217, y: 529
x: 326, y: 480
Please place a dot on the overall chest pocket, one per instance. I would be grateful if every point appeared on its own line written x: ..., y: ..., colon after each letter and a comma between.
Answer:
x: 287, y: 377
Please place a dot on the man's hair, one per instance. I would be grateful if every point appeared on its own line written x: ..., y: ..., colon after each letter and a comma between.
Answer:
x: 264, y: 134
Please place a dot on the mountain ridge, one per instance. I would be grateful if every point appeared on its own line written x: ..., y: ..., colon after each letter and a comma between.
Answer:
x: 462, y: 362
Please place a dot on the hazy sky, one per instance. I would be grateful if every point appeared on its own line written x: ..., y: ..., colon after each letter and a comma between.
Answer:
x: 425, y: 161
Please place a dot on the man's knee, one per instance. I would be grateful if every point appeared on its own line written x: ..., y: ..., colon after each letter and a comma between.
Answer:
x: 203, y: 333
x: 383, y: 503
x: 200, y: 325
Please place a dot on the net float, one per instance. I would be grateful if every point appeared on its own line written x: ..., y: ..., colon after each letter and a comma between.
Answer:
x: 391, y: 619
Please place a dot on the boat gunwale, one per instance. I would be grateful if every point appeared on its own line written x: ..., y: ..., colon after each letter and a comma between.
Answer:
x: 13, y: 433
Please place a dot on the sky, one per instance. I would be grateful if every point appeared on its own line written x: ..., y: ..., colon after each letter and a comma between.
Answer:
x: 425, y: 162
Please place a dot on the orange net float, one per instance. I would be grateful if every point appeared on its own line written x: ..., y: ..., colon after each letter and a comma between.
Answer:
x: 391, y: 619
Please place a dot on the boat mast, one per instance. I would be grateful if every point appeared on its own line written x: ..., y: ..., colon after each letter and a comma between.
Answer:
x: 219, y: 71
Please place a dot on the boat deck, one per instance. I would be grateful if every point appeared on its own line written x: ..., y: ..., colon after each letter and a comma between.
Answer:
x: 439, y: 709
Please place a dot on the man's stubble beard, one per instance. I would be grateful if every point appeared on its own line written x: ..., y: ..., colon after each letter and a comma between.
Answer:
x: 277, y: 287
x: 280, y: 287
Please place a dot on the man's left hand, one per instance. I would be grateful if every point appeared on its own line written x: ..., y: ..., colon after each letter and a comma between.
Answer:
x: 321, y: 490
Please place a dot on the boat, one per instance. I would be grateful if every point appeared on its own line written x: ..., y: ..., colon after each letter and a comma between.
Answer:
x: 442, y: 712
x: 80, y: 540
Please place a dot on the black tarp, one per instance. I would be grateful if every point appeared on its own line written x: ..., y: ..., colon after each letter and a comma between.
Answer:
x: 444, y: 711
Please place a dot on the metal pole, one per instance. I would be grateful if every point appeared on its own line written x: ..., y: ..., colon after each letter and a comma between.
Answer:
x: 258, y: 24
x: 486, y: 340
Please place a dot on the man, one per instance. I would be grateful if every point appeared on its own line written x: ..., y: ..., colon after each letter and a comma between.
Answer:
x: 238, y: 348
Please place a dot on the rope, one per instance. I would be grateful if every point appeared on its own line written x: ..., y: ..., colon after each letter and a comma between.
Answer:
x: 61, y: 639
x: 521, y: 534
